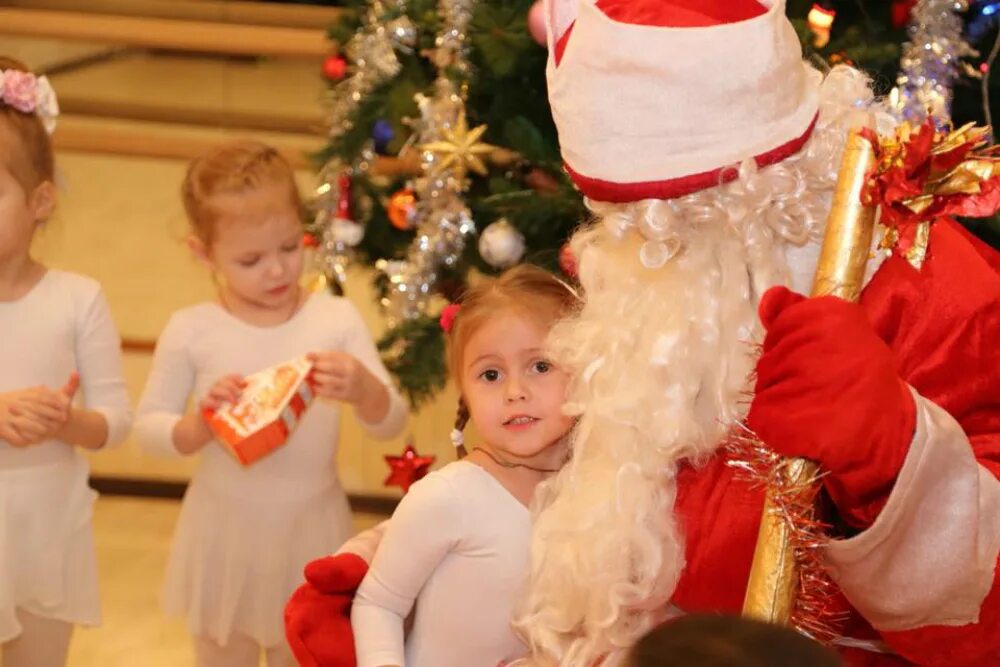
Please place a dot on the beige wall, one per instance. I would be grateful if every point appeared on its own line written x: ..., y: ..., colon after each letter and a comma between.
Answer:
x: 120, y: 221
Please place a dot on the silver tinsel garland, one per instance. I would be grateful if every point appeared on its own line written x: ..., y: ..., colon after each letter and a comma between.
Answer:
x: 442, y: 220
x: 385, y: 29
x: 372, y: 52
x: 931, y: 61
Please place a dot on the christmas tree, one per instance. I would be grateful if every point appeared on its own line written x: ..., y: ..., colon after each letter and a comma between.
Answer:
x: 443, y: 159
x: 453, y: 94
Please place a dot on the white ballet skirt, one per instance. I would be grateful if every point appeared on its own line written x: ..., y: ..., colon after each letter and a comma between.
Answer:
x: 245, y: 533
x: 47, y: 561
x: 236, y: 560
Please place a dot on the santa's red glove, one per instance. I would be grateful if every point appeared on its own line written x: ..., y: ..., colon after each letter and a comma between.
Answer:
x: 828, y: 390
x: 318, y: 615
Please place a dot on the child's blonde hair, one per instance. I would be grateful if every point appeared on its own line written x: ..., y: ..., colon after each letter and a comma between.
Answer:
x: 234, y: 167
x: 29, y: 158
x: 532, y: 291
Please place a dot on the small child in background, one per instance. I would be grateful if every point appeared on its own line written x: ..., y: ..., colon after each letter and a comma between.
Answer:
x: 56, y: 336
x: 727, y: 641
x: 457, y: 545
x: 245, y: 533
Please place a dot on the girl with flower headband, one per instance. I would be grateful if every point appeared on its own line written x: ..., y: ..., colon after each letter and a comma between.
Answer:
x: 58, y: 337
x: 457, y: 545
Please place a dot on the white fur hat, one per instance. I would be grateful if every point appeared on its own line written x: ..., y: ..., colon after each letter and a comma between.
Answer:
x: 656, y: 99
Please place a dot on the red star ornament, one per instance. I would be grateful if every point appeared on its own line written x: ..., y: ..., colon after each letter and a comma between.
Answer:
x: 407, y: 468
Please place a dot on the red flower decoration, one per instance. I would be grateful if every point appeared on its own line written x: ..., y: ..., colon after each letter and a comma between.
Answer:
x: 448, y: 316
x: 407, y: 468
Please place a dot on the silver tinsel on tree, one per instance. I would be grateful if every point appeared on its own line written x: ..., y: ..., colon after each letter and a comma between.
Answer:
x: 385, y: 29
x: 443, y: 219
x: 931, y: 61
x: 373, y: 54
x: 447, y: 150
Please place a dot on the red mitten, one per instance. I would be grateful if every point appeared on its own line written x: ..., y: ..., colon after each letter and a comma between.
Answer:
x: 828, y: 390
x: 318, y: 615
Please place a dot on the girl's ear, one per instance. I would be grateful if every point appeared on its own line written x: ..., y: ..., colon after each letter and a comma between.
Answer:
x: 200, y: 251
x: 43, y: 201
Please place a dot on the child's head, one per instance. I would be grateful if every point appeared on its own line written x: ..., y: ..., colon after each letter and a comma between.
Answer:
x: 727, y: 641
x: 27, y: 164
x: 245, y: 214
x: 496, y: 352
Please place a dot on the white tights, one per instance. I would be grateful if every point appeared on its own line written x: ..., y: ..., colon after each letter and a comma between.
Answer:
x: 43, y: 642
x: 239, y: 651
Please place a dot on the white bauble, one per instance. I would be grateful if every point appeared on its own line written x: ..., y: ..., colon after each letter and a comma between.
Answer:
x: 501, y: 245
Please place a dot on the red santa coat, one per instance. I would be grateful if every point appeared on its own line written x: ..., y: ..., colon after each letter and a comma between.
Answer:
x: 921, y: 575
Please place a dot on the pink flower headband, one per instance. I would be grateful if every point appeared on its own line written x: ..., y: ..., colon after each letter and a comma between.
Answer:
x: 29, y: 94
x: 448, y: 316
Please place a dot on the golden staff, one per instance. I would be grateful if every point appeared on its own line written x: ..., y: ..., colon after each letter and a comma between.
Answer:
x: 773, y: 583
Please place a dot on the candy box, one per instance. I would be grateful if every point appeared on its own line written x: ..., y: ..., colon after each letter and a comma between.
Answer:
x: 269, y: 408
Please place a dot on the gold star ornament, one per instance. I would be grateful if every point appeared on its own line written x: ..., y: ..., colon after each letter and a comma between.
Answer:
x: 460, y: 149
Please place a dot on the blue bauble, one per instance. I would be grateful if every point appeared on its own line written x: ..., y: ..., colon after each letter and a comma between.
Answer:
x: 382, y: 134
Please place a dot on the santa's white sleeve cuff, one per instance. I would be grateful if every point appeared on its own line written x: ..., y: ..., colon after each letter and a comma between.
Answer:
x: 929, y: 558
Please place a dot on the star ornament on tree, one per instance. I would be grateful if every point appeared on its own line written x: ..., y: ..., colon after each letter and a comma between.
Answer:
x: 460, y: 149
x: 407, y: 468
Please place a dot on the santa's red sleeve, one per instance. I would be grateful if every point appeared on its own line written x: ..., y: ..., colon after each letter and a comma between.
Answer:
x: 924, y: 573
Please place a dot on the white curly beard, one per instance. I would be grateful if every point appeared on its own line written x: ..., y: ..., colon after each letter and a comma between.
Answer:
x: 661, y: 360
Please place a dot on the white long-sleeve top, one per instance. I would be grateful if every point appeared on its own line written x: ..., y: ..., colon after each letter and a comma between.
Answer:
x: 63, y: 325
x: 458, y: 546
x: 203, y: 343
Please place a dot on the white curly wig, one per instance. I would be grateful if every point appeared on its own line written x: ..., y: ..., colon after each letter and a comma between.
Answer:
x: 661, y: 359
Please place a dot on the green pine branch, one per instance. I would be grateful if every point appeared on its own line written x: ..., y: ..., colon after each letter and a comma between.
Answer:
x: 414, y: 353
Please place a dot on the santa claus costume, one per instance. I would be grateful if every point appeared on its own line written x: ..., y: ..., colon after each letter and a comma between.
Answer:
x: 708, y: 152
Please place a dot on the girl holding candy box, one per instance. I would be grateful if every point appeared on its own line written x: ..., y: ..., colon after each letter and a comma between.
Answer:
x: 246, y: 531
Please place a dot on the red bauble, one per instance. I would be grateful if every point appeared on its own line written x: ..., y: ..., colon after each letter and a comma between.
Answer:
x: 407, y: 468
x: 540, y: 180
x: 899, y: 12
x: 334, y: 68
x: 567, y: 261
x: 310, y: 241
x: 536, y: 22
x: 402, y: 209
